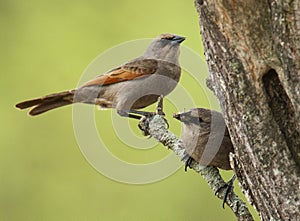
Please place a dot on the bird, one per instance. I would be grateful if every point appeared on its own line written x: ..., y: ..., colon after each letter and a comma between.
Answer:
x: 206, y: 140
x: 133, y: 85
x: 205, y: 137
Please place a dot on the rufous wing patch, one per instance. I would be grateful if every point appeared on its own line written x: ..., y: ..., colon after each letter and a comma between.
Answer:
x: 128, y: 71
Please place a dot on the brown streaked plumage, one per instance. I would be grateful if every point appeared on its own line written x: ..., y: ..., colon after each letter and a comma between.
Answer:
x: 133, y: 85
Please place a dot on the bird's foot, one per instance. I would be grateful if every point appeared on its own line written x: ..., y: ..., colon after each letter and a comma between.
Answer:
x: 146, y: 117
x: 188, y: 161
x: 144, y: 125
x: 229, y: 188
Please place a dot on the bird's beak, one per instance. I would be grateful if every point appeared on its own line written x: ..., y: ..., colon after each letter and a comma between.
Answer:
x: 178, y: 39
x: 176, y: 116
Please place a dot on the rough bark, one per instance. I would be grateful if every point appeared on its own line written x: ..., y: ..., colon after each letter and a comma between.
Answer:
x: 253, y: 53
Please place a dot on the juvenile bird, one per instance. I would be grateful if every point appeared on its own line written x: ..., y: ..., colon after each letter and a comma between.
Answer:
x: 136, y: 84
x: 205, y: 137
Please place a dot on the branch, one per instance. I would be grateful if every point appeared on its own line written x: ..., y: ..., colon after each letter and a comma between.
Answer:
x: 155, y: 126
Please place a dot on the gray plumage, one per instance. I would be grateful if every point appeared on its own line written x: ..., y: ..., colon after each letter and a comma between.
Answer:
x: 134, y: 85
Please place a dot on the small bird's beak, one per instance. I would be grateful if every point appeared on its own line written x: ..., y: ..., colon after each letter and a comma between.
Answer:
x: 176, y: 116
x: 178, y: 39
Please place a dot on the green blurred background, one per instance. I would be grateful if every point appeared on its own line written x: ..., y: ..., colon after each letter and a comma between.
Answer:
x: 45, y: 47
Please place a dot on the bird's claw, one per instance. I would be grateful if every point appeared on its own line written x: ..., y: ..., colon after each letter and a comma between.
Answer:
x: 144, y: 125
x: 188, y: 161
x: 166, y: 122
x: 229, y: 188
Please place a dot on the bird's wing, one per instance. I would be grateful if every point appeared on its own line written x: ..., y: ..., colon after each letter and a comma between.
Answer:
x: 129, y: 71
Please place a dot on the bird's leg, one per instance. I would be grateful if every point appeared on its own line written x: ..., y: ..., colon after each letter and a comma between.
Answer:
x: 128, y: 113
x: 229, y: 188
x: 135, y: 113
x: 159, y: 107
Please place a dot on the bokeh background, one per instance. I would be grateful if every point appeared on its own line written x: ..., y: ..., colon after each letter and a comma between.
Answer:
x: 45, y: 46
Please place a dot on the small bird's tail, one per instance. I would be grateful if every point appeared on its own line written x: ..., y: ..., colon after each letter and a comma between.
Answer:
x: 48, y: 102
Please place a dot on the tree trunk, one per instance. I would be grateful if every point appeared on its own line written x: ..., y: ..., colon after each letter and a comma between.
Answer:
x: 253, y: 53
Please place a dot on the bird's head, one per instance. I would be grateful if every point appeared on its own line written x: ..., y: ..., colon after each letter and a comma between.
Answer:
x: 165, y: 47
x: 197, y: 116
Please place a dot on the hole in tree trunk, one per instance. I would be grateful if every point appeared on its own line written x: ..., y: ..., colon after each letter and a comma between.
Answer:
x: 283, y: 111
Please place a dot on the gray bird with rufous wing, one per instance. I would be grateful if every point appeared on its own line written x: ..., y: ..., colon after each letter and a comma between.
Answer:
x: 134, y: 85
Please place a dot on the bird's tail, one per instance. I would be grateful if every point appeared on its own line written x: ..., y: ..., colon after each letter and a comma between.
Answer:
x: 48, y: 102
